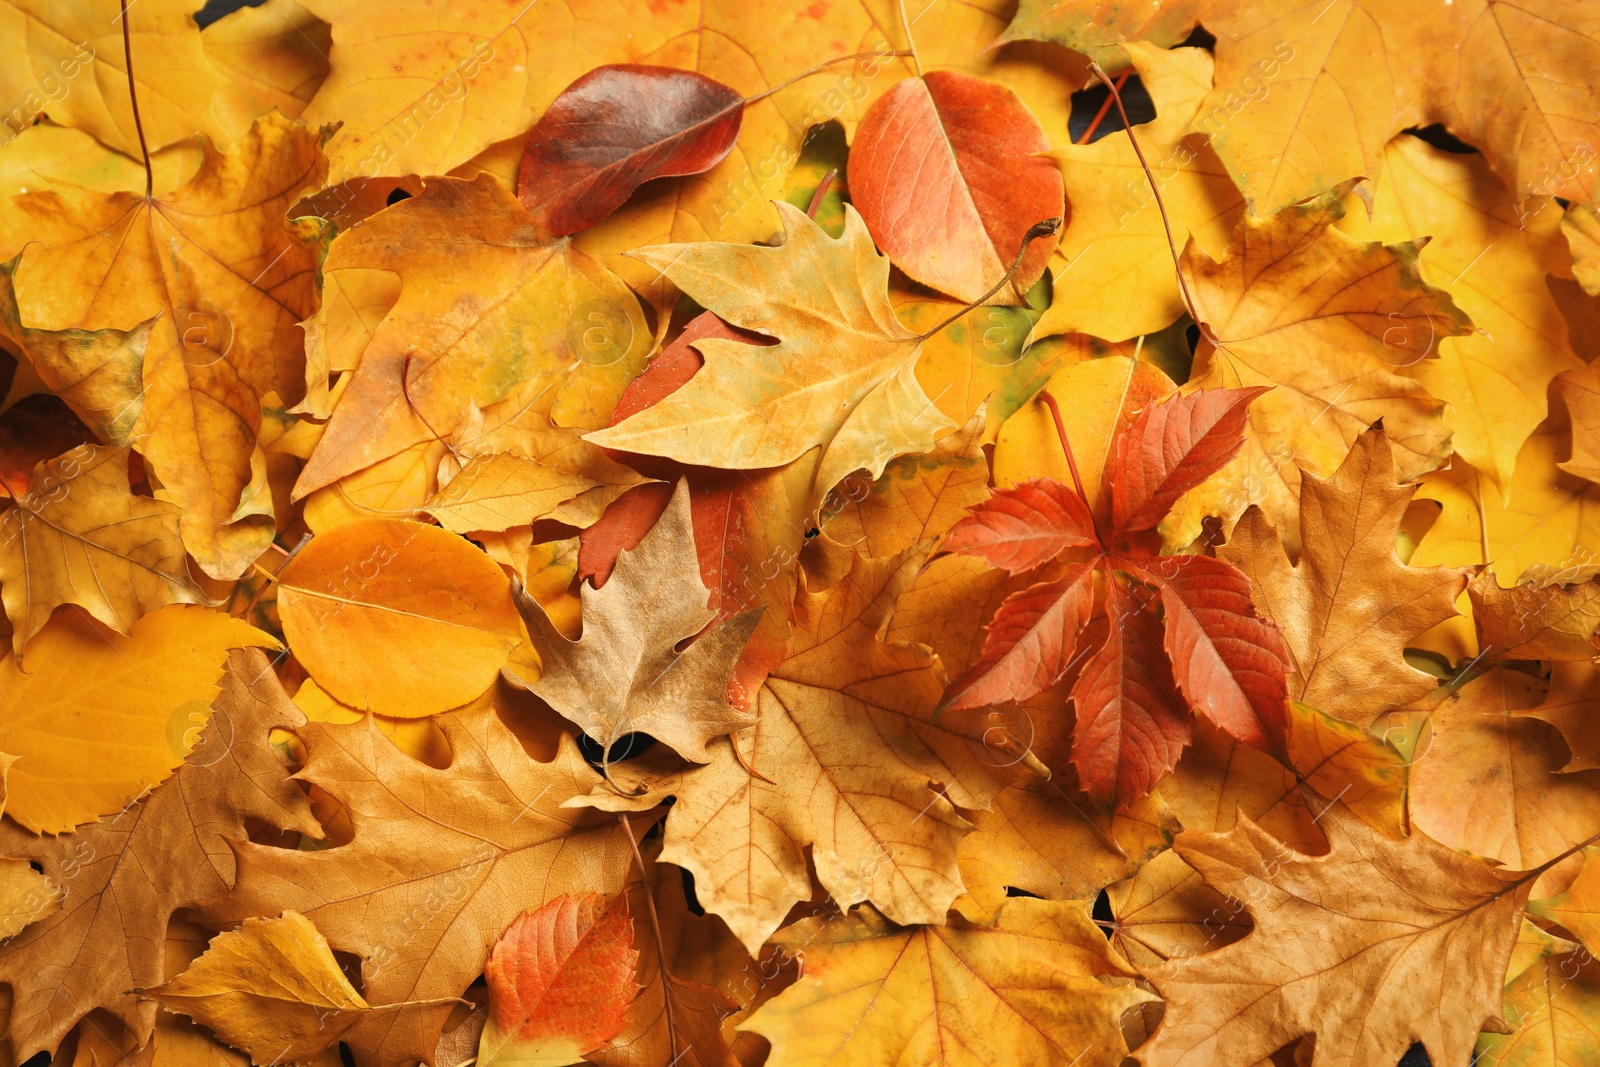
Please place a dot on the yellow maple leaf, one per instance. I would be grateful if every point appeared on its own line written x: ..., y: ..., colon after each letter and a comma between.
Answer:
x: 226, y: 281
x: 80, y: 536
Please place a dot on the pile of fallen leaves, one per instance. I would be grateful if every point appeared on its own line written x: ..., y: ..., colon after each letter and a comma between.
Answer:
x: 866, y: 532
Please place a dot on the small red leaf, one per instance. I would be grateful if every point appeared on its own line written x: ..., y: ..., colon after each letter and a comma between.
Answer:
x: 616, y: 128
x: 947, y: 175
x: 563, y: 973
x: 1228, y: 662
x: 1025, y: 526
x: 1173, y: 446
x: 1131, y: 726
x: 1031, y: 642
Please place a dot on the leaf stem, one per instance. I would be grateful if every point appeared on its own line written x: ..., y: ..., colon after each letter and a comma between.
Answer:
x: 911, y: 42
x: 655, y: 927
x: 1105, y: 109
x: 133, y: 96
x: 1066, y: 446
x: 824, y: 65
x: 1166, y: 223
x: 822, y: 190
x: 1039, y: 229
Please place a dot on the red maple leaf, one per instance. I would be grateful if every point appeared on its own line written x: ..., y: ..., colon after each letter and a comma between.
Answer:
x: 1183, y: 631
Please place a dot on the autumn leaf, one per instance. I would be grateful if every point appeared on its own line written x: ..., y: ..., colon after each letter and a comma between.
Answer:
x: 141, y: 701
x: 1227, y: 661
x: 1548, y: 615
x: 487, y: 300
x: 1167, y: 912
x: 68, y: 59
x: 616, y: 128
x: 1517, y: 809
x: 1386, y: 917
x: 1346, y: 661
x: 963, y: 987
x: 841, y: 376
x: 1098, y: 29
x: 622, y: 677
x: 1326, y: 323
x: 271, y: 987
x: 1487, y: 248
x: 1113, y: 270
x: 497, y: 828
x: 560, y: 982
x: 226, y: 280
x: 944, y: 169
x: 1320, y: 116
x: 1552, y: 1005
x: 398, y: 617
x: 841, y: 694
x: 80, y: 536
x: 129, y: 872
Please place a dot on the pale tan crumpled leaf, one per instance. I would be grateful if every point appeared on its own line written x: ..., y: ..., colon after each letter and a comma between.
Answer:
x: 863, y: 776
x: 1370, y: 947
x: 625, y: 674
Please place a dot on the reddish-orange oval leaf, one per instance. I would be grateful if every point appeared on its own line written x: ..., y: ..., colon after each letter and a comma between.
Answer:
x: 945, y: 171
x: 1131, y: 726
x: 1024, y: 526
x: 1173, y: 446
x: 616, y: 128
x: 560, y: 981
x: 1030, y: 643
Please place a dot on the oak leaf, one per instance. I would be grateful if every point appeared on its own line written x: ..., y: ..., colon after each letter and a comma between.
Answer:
x: 1570, y: 706
x: 1548, y: 614
x: 80, y: 536
x: 398, y: 617
x: 840, y: 377
x: 560, y: 982
x: 626, y: 674
x: 1349, y: 607
x: 1576, y: 908
x: 1389, y: 918
x: 422, y: 910
x: 226, y: 280
x: 140, y: 702
x: 271, y: 988
x: 1032, y: 984
x: 1580, y: 389
x: 125, y: 875
x: 944, y: 169
x: 846, y: 725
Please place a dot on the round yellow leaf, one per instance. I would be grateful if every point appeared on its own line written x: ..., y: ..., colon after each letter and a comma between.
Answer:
x: 398, y: 617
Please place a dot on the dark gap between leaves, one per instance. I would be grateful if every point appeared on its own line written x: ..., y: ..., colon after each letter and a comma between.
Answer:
x: 1086, y: 105
x: 1441, y: 139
